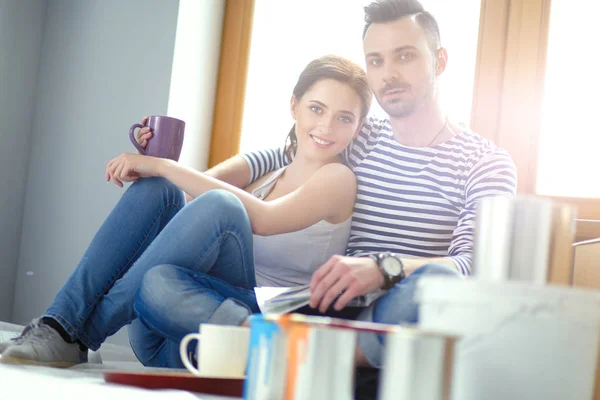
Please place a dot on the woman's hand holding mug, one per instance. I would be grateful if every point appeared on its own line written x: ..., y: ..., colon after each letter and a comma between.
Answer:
x: 158, y: 140
x: 143, y: 134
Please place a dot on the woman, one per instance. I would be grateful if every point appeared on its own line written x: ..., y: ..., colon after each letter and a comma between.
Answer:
x: 211, y: 239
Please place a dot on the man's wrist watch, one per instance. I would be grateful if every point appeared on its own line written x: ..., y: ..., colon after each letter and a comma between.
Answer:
x: 391, y: 267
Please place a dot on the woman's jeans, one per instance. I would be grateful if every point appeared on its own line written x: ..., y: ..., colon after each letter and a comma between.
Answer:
x: 197, y: 293
x: 150, y: 227
x: 172, y: 296
x: 166, y: 268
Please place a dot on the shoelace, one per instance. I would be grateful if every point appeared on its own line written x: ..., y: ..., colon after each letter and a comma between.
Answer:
x: 42, y: 333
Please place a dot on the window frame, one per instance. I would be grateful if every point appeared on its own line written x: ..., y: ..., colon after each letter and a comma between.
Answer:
x: 231, y: 82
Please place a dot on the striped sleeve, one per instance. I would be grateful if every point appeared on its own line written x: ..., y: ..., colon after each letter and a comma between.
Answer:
x: 265, y: 161
x: 362, y: 144
x: 494, y: 175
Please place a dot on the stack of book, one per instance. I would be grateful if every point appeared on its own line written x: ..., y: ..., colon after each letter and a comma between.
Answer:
x: 524, y: 239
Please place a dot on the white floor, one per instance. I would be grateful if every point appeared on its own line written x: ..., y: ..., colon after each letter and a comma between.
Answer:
x: 4, y: 336
x: 39, y: 382
x: 84, y: 381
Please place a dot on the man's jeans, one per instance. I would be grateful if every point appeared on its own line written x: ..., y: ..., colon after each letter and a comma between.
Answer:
x: 396, y: 307
x: 149, y: 227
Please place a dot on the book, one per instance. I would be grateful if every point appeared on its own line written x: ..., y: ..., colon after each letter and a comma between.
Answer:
x: 562, y: 251
x: 532, y: 233
x: 493, y: 238
x: 281, y: 300
x: 526, y: 239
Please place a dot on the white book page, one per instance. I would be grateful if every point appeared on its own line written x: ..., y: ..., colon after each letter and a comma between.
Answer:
x: 265, y: 293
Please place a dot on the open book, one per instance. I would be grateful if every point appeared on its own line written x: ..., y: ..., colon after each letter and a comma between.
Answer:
x: 281, y: 300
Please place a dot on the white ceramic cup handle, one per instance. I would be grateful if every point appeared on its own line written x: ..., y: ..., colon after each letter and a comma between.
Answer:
x: 183, y: 352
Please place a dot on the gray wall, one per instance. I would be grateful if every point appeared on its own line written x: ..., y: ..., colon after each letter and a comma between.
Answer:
x: 104, y: 64
x: 21, y: 26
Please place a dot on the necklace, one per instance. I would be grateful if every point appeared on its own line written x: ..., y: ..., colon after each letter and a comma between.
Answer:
x: 438, y: 134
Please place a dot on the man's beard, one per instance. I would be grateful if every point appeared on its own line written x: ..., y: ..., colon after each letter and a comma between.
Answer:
x: 401, y: 108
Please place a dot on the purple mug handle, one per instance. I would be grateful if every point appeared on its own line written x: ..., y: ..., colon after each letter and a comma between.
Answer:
x: 132, y: 138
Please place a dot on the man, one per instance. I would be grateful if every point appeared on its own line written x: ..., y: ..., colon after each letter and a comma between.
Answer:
x: 419, y: 175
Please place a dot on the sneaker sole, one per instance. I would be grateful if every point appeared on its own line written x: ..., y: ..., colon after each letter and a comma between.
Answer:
x: 23, y: 361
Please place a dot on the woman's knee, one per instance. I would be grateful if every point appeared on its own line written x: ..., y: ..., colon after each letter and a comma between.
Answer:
x: 218, y: 198
x: 148, y: 188
x: 219, y: 204
x: 154, y: 293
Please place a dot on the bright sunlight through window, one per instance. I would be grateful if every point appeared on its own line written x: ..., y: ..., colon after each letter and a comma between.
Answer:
x: 570, y: 138
x: 287, y: 35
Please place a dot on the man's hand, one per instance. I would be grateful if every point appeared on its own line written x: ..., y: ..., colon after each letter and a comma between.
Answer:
x: 350, y: 275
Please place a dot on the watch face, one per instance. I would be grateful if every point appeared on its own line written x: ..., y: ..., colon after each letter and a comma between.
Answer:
x: 392, y: 266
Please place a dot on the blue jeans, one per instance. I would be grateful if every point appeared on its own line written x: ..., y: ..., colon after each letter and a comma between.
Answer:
x: 173, y: 301
x: 148, y: 227
x: 209, y: 299
x: 397, y: 306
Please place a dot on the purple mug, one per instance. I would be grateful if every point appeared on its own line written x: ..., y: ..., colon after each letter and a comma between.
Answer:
x: 166, y: 140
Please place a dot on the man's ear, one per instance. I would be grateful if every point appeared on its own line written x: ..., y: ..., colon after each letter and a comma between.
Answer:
x: 293, y: 106
x: 441, y: 61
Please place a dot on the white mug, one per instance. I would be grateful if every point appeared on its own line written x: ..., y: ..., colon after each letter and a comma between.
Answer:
x: 222, y: 351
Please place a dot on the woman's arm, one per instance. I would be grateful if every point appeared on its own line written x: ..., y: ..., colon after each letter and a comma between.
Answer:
x: 234, y: 171
x: 329, y: 193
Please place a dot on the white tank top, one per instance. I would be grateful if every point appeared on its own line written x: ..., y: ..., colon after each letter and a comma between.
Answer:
x: 289, y: 259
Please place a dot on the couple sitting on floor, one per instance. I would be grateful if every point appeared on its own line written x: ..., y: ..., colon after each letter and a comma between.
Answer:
x: 351, y: 205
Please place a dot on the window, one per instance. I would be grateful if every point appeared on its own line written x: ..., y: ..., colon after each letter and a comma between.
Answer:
x: 288, y: 35
x: 570, y: 131
x: 531, y: 97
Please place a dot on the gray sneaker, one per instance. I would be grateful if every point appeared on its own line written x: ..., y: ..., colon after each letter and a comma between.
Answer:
x: 39, y: 344
x: 19, y: 338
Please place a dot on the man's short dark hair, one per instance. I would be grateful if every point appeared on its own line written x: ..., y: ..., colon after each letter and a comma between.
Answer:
x: 382, y: 11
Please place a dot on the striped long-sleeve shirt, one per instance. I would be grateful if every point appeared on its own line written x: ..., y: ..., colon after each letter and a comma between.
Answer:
x: 415, y: 201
